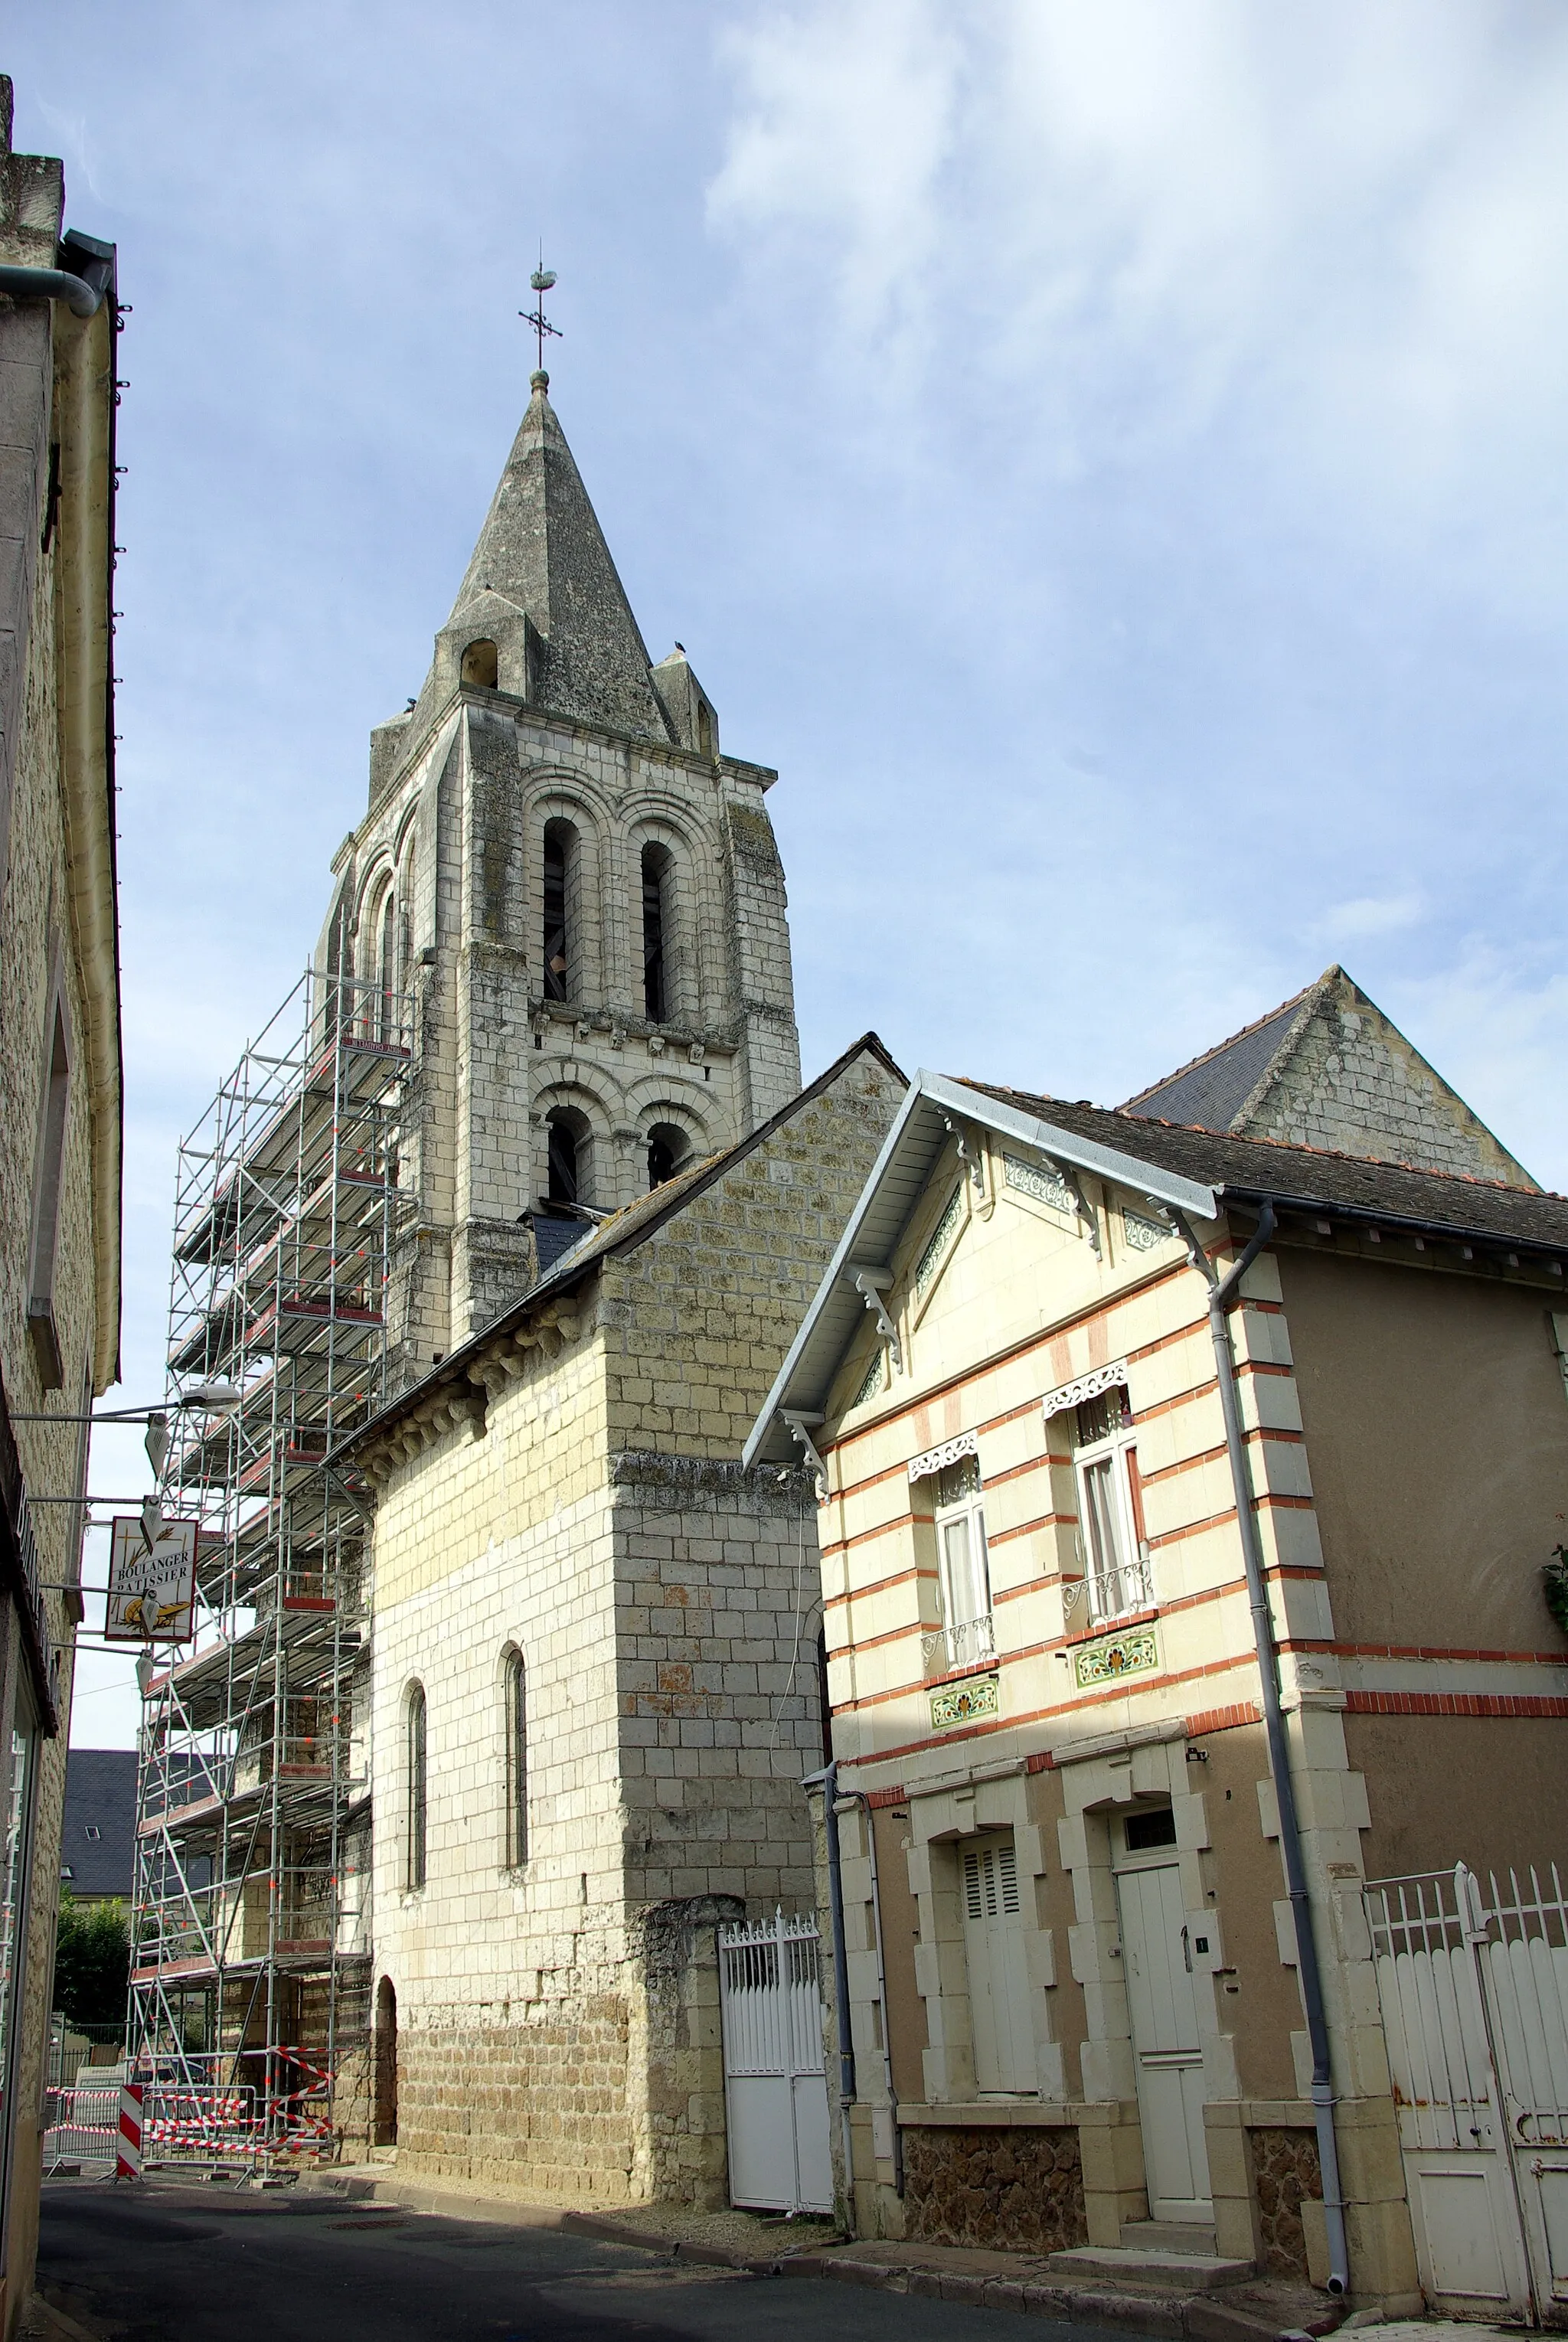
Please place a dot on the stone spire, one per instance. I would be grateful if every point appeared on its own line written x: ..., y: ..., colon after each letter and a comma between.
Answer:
x: 542, y: 553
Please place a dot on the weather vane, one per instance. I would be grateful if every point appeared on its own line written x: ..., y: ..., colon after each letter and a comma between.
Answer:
x: 541, y: 281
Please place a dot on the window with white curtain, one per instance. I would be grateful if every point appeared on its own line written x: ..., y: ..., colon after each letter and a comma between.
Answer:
x: 963, y: 1568
x: 1116, y: 1558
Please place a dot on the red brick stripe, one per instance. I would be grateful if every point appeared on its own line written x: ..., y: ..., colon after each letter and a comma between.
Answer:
x: 1451, y: 1703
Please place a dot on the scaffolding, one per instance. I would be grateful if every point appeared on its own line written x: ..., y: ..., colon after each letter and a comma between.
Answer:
x: 250, y: 1971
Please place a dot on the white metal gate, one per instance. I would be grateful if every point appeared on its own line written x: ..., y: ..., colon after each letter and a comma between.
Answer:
x: 1474, y: 1987
x: 775, y: 2085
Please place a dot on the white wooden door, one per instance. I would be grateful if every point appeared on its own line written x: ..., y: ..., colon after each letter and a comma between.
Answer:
x: 1166, y: 2050
x: 998, y: 1964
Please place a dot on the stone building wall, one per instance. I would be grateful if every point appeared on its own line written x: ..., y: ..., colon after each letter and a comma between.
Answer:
x: 666, y: 1602
x: 462, y: 786
x: 1013, y: 2189
x: 56, y: 374
x: 703, y: 1313
x: 1350, y: 1083
x: 1286, y: 2174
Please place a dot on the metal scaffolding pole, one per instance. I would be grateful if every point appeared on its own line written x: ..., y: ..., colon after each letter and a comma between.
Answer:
x: 250, y: 1978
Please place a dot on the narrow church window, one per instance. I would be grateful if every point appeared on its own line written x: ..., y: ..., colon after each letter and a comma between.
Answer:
x: 666, y: 1147
x: 516, y: 1681
x: 414, y: 1868
x: 338, y: 968
x: 46, y: 1183
x: 388, y: 971
x: 655, y: 973
x: 559, y: 880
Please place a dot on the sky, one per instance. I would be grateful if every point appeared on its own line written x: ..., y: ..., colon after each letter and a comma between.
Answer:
x: 1111, y: 461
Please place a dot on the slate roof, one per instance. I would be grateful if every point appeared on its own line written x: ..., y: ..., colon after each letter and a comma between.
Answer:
x: 542, y: 549
x: 554, y: 1234
x: 1247, y: 1168
x: 1214, y: 1088
x: 100, y: 1796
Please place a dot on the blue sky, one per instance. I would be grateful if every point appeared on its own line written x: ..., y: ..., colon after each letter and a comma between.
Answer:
x: 1112, y: 460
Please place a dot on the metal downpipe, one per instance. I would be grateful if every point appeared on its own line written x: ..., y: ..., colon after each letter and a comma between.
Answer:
x: 827, y: 1780
x: 863, y: 1802
x: 1222, y: 1296
x: 83, y: 299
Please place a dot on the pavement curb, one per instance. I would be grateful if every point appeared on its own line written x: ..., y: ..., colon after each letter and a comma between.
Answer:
x: 1166, y: 2317
x: 41, y: 2317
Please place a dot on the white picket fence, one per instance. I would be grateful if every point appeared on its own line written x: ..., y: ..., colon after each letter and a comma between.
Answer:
x: 1474, y: 1988
x: 775, y: 2082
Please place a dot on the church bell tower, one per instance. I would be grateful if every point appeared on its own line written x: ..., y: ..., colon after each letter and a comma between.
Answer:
x: 578, y: 897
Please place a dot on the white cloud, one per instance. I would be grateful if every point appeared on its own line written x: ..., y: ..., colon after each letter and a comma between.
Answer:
x: 1496, y: 1027
x: 1335, y: 233
x: 1369, y: 915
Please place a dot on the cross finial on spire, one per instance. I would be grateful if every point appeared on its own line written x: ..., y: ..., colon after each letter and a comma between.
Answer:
x: 541, y: 281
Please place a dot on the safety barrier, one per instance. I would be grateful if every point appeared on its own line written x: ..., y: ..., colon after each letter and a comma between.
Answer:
x: 151, y: 2125
x: 202, y: 2125
x: 81, y: 2127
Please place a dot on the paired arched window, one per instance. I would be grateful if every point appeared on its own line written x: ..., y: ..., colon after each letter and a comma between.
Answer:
x: 657, y: 924
x: 560, y: 938
x: 414, y: 1762
x: 515, y: 1692
x: 667, y: 1151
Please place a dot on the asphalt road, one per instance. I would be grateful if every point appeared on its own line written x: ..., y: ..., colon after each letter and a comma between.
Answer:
x: 159, y: 2265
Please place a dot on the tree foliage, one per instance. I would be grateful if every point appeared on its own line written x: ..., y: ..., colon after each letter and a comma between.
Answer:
x: 92, y: 1961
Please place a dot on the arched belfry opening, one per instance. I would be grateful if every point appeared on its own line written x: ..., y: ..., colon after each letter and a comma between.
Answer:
x: 482, y: 665
x: 568, y: 1159
x: 560, y: 939
x: 657, y: 924
x: 668, y: 1151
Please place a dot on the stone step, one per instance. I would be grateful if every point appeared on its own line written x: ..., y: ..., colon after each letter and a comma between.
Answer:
x: 1160, y: 2272
x: 1168, y: 2236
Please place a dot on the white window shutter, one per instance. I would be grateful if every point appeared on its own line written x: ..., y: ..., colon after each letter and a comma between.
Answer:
x: 999, y: 2000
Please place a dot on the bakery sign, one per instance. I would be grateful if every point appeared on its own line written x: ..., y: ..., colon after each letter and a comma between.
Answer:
x: 152, y: 1580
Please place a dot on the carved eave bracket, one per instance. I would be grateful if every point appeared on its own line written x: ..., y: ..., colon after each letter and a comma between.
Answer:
x: 456, y: 1405
x: 871, y: 1284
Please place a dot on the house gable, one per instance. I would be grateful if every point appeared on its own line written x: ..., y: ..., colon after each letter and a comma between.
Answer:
x: 1328, y: 1070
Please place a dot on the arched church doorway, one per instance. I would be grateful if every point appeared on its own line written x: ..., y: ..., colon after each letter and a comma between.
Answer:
x: 386, y: 2062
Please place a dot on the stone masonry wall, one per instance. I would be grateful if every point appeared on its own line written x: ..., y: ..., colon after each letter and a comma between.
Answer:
x: 1286, y: 2170
x: 699, y: 1317
x: 1008, y: 2190
x: 719, y: 1721
x: 38, y: 951
x: 533, y: 2105
x: 665, y: 1602
x: 1352, y: 1085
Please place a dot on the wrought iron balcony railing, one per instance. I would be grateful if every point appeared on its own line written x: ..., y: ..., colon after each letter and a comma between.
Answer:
x: 967, y: 1644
